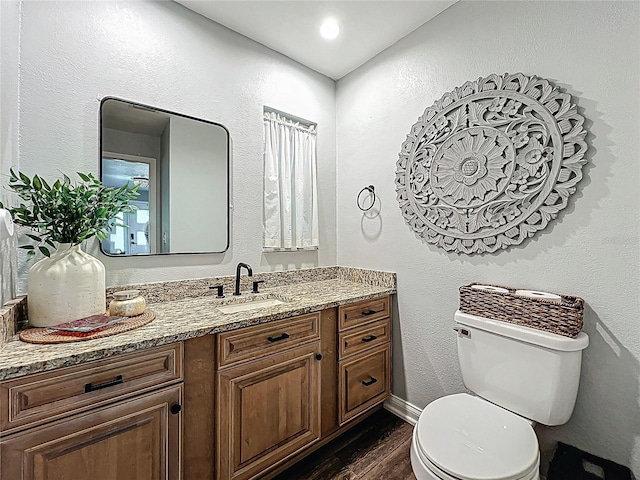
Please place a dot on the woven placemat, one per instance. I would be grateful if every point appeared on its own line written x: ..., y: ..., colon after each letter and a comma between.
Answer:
x: 47, y: 335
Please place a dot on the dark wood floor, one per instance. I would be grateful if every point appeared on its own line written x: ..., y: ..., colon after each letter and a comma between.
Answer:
x: 376, y: 449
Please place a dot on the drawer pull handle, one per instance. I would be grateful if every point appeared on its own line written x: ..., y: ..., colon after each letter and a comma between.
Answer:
x: 367, y: 383
x: 284, y: 336
x: 369, y: 338
x: 366, y: 313
x: 90, y: 387
x: 176, y: 408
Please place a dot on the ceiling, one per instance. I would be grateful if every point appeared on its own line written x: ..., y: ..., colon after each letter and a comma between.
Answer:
x: 121, y: 115
x: 117, y: 172
x: 291, y: 27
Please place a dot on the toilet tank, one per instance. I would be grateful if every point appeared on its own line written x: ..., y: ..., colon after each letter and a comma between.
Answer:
x: 527, y: 371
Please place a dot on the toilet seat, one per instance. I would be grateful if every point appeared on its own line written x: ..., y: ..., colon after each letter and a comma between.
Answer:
x: 462, y: 437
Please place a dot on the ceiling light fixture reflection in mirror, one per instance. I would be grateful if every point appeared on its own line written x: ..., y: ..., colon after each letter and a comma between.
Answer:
x: 181, y: 165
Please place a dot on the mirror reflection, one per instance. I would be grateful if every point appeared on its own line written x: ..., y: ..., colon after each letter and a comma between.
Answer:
x: 181, y: 167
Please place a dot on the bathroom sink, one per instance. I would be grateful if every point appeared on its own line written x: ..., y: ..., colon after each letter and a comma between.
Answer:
x: 250, y: 305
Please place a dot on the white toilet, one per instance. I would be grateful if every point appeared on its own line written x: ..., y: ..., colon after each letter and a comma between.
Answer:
x: 521, y: 376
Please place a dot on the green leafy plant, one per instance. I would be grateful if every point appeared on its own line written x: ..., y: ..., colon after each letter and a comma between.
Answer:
x: 67, y: 212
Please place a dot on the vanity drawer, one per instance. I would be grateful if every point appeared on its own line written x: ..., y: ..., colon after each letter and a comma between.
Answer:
x: 365, y: 337
x: 361, y: 312
x: 365, y: 381
x: 253, y: 342
x: 43, y: 397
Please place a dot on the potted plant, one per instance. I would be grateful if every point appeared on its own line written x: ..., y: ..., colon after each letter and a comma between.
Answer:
x: 68, y: 283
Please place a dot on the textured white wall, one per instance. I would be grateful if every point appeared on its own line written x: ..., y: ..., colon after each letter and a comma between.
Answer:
x: 9, y: 93
x: 9, y: 90
x: 161, y: 54
x: 592, y: 51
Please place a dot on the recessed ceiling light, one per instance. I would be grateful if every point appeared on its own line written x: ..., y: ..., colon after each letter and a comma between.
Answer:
x: 330, y: 28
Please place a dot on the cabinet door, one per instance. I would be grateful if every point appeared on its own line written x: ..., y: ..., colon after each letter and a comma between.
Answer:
x: 365, y: 381
x: 131, y: 440
x: 268, y: 410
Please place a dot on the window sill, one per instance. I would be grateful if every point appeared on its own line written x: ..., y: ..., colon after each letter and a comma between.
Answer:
x: 278, y: 250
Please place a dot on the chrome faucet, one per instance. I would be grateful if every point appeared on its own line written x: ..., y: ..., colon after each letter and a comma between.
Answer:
x: 238, y: 268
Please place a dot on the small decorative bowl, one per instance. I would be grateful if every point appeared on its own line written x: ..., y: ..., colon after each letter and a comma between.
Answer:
x: 127, y: 303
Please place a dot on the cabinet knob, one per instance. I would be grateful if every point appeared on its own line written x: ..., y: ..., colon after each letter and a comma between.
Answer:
x: 176, y: 409
x: 318, y: 356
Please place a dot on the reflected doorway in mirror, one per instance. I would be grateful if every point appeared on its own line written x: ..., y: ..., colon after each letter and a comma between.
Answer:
x: 135, y: 238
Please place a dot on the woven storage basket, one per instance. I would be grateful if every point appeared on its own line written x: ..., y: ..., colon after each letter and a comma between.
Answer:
x: 562, y: 318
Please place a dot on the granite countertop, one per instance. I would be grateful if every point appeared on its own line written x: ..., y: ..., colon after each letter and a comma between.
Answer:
x: 183, y: 319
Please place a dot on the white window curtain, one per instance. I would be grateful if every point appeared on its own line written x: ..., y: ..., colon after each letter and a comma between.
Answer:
x: 290, y: 184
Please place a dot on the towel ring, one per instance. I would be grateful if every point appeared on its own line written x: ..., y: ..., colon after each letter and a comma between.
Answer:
x: 372, y: 191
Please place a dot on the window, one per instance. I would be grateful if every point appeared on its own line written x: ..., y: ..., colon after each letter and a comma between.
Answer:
x: 290, y: 204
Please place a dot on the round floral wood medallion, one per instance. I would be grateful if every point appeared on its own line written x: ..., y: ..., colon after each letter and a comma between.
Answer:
x: 490, y: 163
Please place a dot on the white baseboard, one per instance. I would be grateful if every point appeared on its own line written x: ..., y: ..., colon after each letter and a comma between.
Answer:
x: 403, y: 409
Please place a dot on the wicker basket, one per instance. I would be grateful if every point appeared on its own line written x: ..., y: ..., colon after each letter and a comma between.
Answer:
x: 562, y: 318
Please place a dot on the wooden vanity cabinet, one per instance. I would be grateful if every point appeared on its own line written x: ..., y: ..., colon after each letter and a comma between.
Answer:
x: 268, y: 407
x: 250, y: 402
x: 364, y: 367
x: 112, y: 419
x: 287, y: 387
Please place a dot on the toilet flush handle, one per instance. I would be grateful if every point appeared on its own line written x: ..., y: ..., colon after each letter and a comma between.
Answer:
x: 463, y: 331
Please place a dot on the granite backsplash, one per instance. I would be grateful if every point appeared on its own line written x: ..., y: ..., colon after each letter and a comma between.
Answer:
x: 14, y: 316
x: 177, y: 290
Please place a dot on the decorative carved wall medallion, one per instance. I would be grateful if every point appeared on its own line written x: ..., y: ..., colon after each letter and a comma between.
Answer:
x: 490, y: 163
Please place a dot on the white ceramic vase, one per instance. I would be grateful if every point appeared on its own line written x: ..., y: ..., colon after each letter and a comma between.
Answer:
x: 68, y: 285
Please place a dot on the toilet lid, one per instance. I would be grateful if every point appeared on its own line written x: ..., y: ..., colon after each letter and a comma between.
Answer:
x: 470, y: 438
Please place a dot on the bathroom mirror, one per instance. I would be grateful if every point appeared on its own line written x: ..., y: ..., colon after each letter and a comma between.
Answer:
x: 181, y: 165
